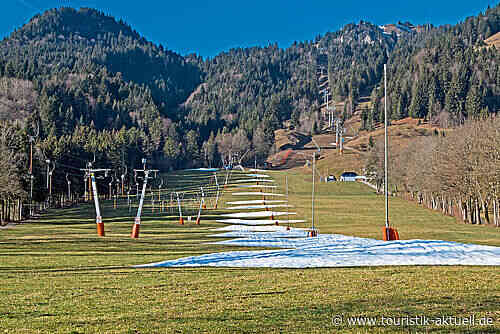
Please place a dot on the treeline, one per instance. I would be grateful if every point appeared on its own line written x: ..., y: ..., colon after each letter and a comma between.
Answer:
x: 456, y: 171
x: 13, y: 183
x: 119, y: 150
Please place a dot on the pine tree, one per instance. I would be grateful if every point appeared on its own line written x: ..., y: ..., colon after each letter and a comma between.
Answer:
x: 473, y: 103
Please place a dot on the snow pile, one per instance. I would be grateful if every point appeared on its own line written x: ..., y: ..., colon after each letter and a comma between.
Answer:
x: 333, y: 250
x: 255, y: 222
x: 256, y: 194
x: 202, y: 170
x: 255, y: 207
x: 272, y: 228
x: 257, y: 214
x: 254, y: 186
x: 252, y: 180
x: 257, y: 201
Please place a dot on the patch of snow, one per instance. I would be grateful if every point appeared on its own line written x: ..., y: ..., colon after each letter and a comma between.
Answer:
x: 258, y: 214
x: 257, y: 201
x: 256, y: 222
x: 334, y: 250
x: 258, y: 175
x: 202, y: 170
x: 254, y: 186
x: 255, y: 194
x: 252, y: 180
x: 253, y: 228
x: 254, y: 207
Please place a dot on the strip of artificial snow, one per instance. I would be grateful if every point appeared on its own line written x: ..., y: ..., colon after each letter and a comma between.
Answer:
x: 333, y: 250
x: 256, y: 194
x: 252, y: 180
x: 258, y: 175
x: 254, y: 186
x: 257, y: 201
x: 258, y: 222
x: 258, y: 214
x: 202, y: 170
x: 257, y: 228
x: 253, y: 207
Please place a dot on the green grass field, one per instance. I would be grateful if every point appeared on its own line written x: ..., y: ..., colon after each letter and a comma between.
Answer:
x: 58, y: 277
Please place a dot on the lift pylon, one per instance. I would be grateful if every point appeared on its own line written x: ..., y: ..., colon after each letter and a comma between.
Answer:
x: 137, y: 221
x: 91, y: 174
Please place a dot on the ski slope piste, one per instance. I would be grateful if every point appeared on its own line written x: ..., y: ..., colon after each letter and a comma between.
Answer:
x: 295, y: 250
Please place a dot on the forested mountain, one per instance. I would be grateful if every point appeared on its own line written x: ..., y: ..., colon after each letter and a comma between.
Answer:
x: 246, y: 86
x: 254, y: 91
x: 257, y: 90
x: 356, y: 58
x: 92, y: 88
x: 84, y: 49
x: 445, y: 74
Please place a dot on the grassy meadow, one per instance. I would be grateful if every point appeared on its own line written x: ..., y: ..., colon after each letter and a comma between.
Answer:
x: 57, y: 276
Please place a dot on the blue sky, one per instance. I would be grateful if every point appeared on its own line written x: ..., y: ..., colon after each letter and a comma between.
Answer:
x: 209, y: 27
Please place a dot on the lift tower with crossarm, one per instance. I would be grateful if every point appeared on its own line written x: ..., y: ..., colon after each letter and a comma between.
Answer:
x: 147, y: 173
x: 91, y: 173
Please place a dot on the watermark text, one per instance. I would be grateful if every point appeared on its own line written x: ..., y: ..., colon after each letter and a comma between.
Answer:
x: 410, y: 321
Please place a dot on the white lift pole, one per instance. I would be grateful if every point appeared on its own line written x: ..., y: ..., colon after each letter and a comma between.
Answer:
x: 313, y: 232
x: 385, y: 152
x: 92, y: 174
x: 100, y: 224
x: 288, y: 204
x: 181, y: 219
x: 137, y: 222
x: 202, y: 200
x: 217, y: 185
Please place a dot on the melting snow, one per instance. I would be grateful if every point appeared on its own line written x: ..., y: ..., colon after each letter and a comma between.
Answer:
x: 254, y: 186
x: 256, y: 194
x: 252, y: 180
x: 258, y: 201
x: 256, y: 214
x: 203, y: 169
x: 255, y: 222
x: 258, y: 175
x: 295, y: 250
x: 254, y: 207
